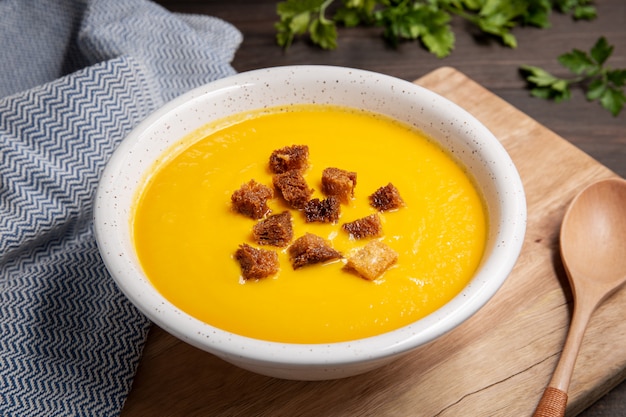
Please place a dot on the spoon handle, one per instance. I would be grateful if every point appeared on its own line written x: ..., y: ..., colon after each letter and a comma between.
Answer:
x: 552, y: 403
x: 554, y: 399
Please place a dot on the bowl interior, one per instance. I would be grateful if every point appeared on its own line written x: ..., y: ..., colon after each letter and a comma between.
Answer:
x: 467, y: 140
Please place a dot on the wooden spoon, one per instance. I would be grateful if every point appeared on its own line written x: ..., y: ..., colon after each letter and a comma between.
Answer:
x: 593, y: 248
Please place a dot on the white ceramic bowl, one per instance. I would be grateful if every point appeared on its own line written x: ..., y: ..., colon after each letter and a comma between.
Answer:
x: 455, y: 129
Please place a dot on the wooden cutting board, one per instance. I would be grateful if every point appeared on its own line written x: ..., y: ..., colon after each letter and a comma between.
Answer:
x: 495, y: 364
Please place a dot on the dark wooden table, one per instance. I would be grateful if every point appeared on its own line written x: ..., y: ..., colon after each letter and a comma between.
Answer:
x: 585, y: 124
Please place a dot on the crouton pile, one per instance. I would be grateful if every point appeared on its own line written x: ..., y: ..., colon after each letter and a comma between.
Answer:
x: 273, y: 231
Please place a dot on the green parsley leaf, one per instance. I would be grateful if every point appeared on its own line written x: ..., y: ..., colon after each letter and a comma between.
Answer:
x: 596, y: 89
x: 298, y: 17
x: 538, y: 13
x: 577, y: 61
x: 439, y: 40
x: 599, y: 82
x: 617, y: 77
x: 348, y: 17
x: 546, y: 85
x: 601, y: 51
x: 324, y: 33
x: 613, y: 100
x: 539, y: 76
x: 585, y: 13
x: 407, y: 20
x: 427, y: 21
x: 581, y: 9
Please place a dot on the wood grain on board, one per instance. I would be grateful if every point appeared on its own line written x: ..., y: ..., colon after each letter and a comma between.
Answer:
x: 495, y: 364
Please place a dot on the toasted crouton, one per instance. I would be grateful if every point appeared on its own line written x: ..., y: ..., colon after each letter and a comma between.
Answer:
x: 372, y: 260
x: 386, y: 198
x: 339, y: 183
x: 311, y: 249
x: 293, y: 187
x: 275, y: 230
x: 251, y: 199
x: 288, y: 158
x: 368, y: 226
x: 256, y: 263
x: 324, y: 211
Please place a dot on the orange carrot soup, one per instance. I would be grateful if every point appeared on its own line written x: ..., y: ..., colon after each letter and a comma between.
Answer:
x: 186, y: 232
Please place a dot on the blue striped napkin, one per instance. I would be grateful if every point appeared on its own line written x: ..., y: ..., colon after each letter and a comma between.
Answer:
x: 75, y: 78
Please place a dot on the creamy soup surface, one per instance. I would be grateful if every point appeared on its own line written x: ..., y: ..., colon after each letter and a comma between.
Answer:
x: 186, y: 232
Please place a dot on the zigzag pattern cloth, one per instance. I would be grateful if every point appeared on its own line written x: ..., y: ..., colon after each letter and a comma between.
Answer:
x: 70, y: 342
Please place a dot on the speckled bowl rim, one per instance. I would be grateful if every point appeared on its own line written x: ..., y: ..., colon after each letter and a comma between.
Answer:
x: 455, y: 127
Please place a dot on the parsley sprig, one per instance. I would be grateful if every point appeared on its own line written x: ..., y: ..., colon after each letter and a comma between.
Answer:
x: 427, y: 21
x: 590, y: 72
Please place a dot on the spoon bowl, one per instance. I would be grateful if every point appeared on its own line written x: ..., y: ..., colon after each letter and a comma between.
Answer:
x: 593, y: 235
x: 593, y: 249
